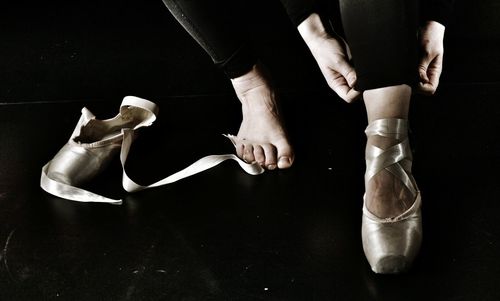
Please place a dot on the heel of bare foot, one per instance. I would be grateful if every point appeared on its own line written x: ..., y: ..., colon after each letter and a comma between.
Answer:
x: 261, y: 137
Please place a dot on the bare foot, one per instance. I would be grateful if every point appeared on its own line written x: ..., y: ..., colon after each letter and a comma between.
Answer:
x: 261, y: 137
x: 386, y: 196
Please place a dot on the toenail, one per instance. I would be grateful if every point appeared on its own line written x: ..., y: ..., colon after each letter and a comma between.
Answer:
x: 284, y: 161
x: 271, y: 166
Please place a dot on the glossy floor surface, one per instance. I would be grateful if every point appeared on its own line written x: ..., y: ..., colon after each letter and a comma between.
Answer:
x: 223, y: 234
x: 226, y: 235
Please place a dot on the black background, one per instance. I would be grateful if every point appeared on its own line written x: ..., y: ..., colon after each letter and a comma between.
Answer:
x: 86, y: 50
x: 222, y: 234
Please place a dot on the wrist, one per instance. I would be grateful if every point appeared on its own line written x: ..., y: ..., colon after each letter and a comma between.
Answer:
x: 312, y: 29
x: 432, y: 29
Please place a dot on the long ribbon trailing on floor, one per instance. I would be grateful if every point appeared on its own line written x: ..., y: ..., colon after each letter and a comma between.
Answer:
x: 197, y: 167
x: 74, y: 193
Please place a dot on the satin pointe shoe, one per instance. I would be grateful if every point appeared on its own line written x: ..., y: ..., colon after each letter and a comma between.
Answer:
x: 93, y: 144
x: 391, y: 244
x: 90, y: 148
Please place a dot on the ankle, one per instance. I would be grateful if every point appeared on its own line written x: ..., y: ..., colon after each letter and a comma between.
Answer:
x: 254, y: 78
x: 255, y: 91
x: 388, y: 194
x: 387, y: 102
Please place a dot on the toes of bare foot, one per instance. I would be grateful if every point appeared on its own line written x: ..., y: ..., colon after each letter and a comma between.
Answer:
x: 270, y: 154
x: 265, y: 154
x: 248, y: 155
x: 285, y: 155
x: 260, y: 156
x: 285, y: 162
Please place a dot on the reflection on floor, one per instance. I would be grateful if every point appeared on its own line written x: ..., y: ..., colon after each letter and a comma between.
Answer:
x: 226, y: 235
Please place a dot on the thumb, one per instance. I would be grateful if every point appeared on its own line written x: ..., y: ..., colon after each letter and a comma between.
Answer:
x: 347, y: 71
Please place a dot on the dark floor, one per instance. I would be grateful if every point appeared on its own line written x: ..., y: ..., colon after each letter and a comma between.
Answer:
x: 223, y: 234
x: 226, y: 235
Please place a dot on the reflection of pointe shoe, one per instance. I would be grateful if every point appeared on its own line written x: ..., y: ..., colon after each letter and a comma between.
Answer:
x: 91, y: 147
x: 391, y: 244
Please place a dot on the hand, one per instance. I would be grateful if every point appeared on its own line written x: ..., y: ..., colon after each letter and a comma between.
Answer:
x: 331, y: 57
x: 431, y: 57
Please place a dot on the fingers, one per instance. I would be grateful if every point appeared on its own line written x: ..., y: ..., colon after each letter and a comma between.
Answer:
x: 431, y: 62
x: 422, y: 69
x: 339, y: 85
x: 331, y: 54
x: 341, y: 77
x: 426, y: 89
x: 435, y: 69
x: 346, y: 93
x: 424, y: 86
x: 352, y: 95
x: 347, y: 71
x: 430, y: 72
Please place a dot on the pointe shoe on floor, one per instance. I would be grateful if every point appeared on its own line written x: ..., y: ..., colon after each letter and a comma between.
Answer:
x: 391, y: 244
x: 91, y: 147
x: 93, y: 144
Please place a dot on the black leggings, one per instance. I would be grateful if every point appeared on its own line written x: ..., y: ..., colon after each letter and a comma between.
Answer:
x: 380, y: 34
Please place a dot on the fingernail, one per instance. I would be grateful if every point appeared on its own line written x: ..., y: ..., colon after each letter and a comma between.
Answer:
x: 352, y: 79
x: 271, y: 166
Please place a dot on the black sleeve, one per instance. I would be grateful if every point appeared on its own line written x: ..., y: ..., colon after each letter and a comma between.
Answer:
x: 437, y: 10
x: 299, y: 10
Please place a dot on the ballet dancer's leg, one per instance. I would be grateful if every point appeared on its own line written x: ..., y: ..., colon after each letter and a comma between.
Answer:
x: 217, y: 27
x: 382, y: 39
x: 386, y: 194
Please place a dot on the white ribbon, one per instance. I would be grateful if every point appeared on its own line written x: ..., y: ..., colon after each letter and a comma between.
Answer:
x: 81, y: 195
x: 73, y: 193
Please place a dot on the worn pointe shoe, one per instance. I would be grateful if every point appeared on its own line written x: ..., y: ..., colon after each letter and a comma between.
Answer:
x: 93, y: 144
x: 91, y: 147
x: 391, y: 244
